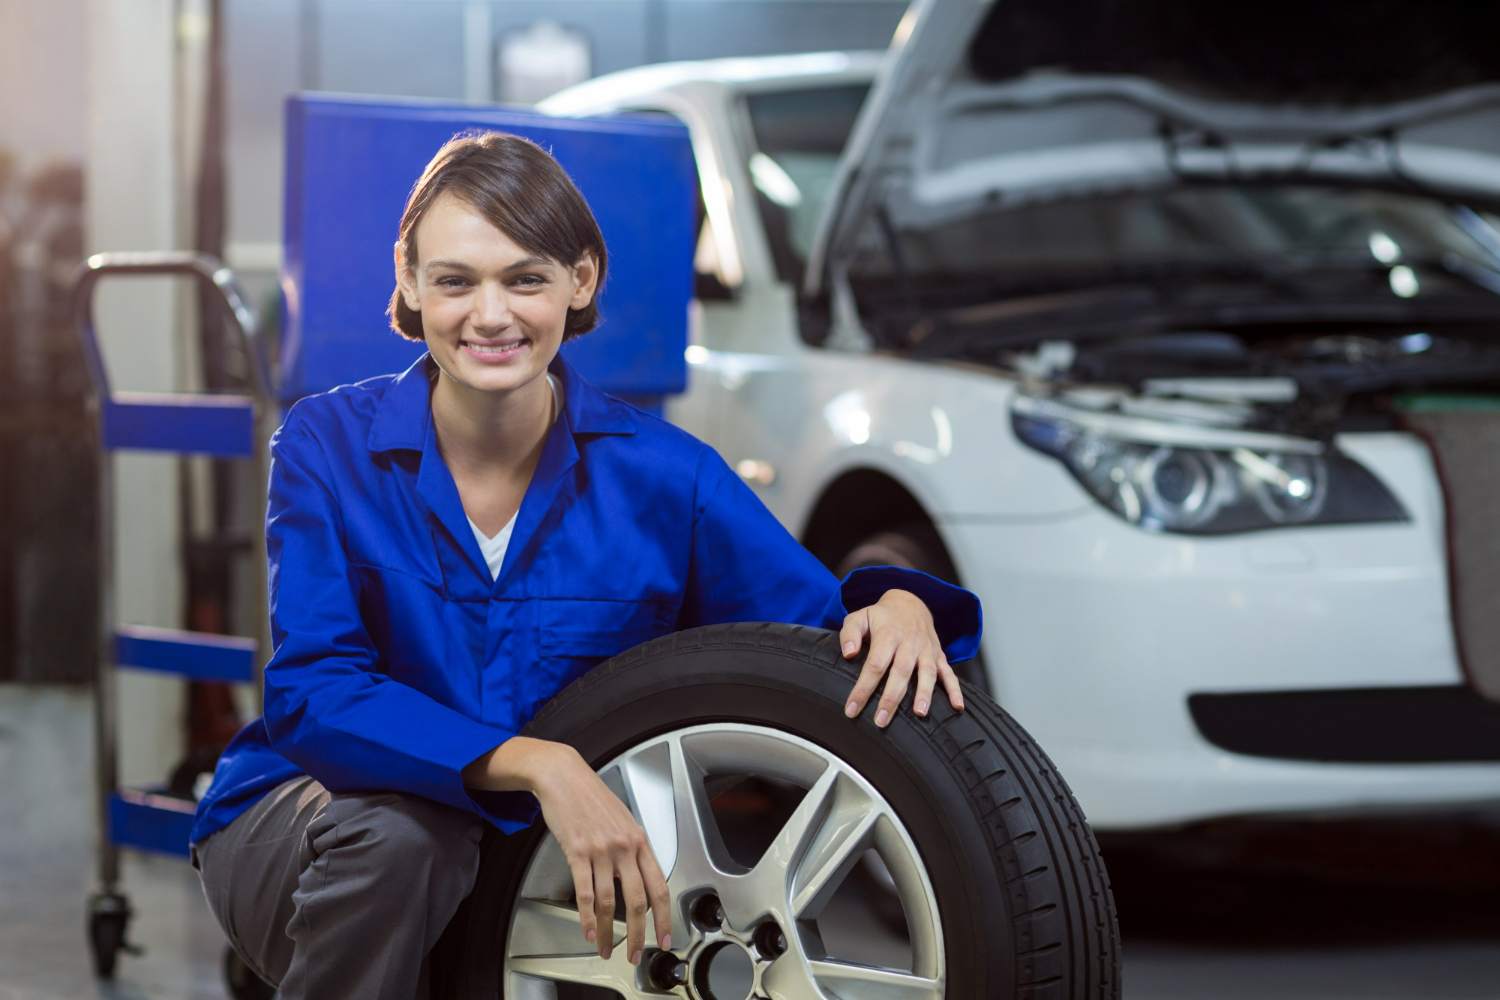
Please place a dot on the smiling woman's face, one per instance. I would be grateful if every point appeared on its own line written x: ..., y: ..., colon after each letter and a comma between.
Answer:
x: 493, y: 313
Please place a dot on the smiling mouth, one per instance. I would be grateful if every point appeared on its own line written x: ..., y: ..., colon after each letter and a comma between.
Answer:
x: 494, y: 352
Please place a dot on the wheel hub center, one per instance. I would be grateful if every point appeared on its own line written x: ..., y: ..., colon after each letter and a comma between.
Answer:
x: 724, y: 971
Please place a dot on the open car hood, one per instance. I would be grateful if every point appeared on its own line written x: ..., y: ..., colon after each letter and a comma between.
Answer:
x: 1015, y: 100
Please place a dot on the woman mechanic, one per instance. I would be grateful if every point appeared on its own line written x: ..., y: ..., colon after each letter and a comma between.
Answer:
x: 451, y: 546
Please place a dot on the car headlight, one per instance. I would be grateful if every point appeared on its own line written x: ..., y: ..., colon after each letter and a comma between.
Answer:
x: 1203, y: 480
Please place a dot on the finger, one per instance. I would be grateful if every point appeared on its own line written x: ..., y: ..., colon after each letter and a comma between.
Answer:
x: 950, y: 684
x: 852, y: 635
x: 583, y: 887
x: 659, y: 897
x: 902, y: 666
x: 927, y: 675
x: 633, y: 891
x: 879, y: 657
x: 604, y: 904
x: 882, y: 646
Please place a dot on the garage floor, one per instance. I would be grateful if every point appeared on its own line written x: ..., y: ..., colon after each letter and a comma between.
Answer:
x: 1264, y: 940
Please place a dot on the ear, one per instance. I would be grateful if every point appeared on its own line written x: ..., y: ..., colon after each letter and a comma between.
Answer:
x: 585, y: 281
x: 406, y: 281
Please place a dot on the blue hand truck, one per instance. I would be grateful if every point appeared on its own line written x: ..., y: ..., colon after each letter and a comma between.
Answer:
x: 220, y: 426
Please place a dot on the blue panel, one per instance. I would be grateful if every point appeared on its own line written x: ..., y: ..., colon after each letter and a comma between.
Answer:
x: 190, y: 654
x: 206, y: 425
x: 150, y: 822
x: 351, y: 163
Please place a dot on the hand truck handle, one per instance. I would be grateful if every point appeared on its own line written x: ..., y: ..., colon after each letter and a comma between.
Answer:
x: 201, y: 265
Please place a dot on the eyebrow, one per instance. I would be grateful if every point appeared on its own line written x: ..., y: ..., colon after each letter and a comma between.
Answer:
x: 456, y: 265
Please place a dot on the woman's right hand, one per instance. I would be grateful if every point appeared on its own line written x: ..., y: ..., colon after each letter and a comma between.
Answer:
x: 599, y: 837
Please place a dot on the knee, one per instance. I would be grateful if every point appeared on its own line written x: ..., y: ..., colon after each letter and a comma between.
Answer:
x: 407, y: 832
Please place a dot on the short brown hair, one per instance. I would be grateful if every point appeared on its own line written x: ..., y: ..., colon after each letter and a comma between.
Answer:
x: 525, y: 193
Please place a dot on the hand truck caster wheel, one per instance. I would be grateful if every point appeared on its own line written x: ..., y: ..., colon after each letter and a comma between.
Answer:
x: 109, y: 917
x: 241, y: 980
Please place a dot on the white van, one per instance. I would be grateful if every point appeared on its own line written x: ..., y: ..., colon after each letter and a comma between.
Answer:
x: 1174, y: 333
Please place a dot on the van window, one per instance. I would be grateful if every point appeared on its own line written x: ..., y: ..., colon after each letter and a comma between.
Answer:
x: 799, y: 135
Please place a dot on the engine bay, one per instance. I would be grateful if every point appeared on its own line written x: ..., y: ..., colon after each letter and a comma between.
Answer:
x: 1313, y: 383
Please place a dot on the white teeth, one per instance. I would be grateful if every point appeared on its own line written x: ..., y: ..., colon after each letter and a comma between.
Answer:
x: 493, y: 348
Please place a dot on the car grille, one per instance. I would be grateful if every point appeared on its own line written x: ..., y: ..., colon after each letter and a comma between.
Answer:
x: 1466, y: 443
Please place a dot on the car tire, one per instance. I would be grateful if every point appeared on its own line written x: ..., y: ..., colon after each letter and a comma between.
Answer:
x: 992, y: 853
x: 915, y: 546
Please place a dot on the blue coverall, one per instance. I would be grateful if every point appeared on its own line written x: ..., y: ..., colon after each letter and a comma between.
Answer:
x: 397, y: 660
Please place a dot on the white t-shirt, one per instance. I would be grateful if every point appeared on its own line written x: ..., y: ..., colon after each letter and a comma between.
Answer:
x: 494, y: 548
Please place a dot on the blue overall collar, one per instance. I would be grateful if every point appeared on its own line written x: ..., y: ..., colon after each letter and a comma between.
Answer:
x: 403, y: 420
x: 405, y: 410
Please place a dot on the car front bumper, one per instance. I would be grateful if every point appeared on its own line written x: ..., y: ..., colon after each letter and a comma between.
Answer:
x: 1098, y: 633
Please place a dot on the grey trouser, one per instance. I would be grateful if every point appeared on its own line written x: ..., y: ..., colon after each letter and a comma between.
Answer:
x: 340, y: 895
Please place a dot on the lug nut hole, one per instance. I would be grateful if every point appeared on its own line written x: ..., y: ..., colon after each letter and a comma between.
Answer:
x: 667, y: 971
x: 708, y: 913
x: 770, y: 940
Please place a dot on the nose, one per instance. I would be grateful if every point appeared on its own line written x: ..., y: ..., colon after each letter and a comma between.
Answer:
x: 491, y: 314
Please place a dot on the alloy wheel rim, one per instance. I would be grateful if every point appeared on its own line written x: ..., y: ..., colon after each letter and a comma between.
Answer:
x: 662, y: 780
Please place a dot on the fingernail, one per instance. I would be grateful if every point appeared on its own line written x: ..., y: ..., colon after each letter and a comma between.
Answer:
x: 589, y: 934
x: 921, y: 708
x: 882, y: 717
x: 666, y: 943
x: 850, y: 648
x: 851, y: 709
x: 635, y: 957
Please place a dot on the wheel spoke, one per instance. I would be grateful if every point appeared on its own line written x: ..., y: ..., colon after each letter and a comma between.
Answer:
x: 861, y: 982
x: 698, y: 842
x: 791, y: 842
x: 550, y: 876
x: 769, y: 884
x: 613, y: 973
x: 541, y: 928
x: 830, y: 836
x: 546, y: 942
x: 646, y: 778
x: 788, y: 978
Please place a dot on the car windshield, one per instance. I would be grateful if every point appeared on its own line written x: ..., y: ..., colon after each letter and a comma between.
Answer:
x: 1299, y: 246
x: 799, y: 135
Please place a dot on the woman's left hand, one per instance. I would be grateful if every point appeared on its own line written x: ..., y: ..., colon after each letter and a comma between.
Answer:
x: 903, y: 641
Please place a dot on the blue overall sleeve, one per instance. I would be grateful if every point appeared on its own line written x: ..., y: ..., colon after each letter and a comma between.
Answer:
x: 327, y: 707
x: 747, y: 567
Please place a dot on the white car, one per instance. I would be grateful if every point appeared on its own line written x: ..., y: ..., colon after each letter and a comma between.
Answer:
x: 1160, y: 355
